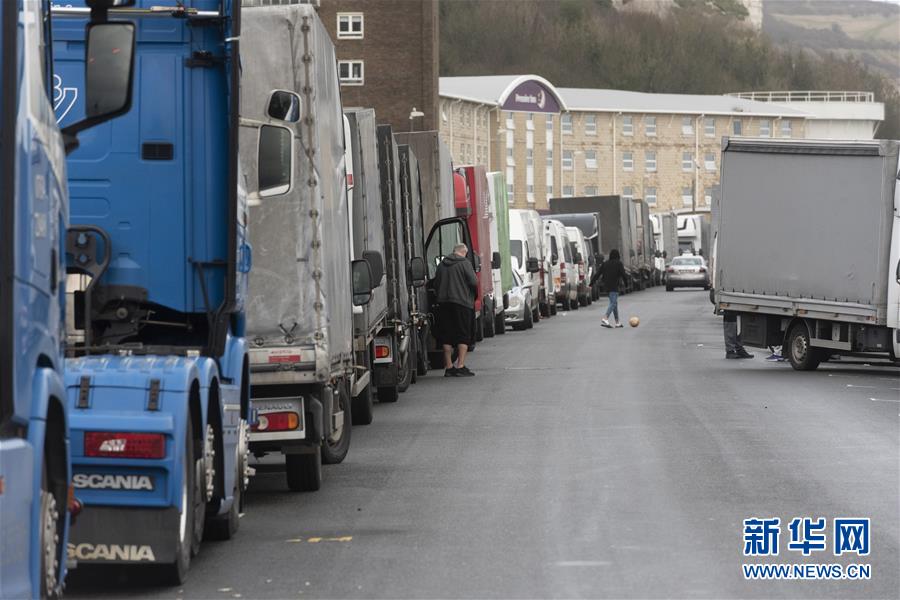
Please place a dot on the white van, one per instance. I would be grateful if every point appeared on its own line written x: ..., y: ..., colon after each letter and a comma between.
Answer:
x: 533, y: 222
x: 562, y: 267
x: 524, y: 247
x: 581, y: 253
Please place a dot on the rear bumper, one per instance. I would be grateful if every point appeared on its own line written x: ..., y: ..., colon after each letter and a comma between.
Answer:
x: 687, y: 280
x: 117, y: 535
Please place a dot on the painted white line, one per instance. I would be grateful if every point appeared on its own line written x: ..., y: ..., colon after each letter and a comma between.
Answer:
x: 883, y: 400
x: 867, y: 387
x: 583, y: 563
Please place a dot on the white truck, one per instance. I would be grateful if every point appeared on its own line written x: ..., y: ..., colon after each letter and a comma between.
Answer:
x: 808, y: 247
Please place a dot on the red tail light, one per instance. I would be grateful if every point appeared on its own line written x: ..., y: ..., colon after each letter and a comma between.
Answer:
x: 124, y: 445
x: 703, y: 269
x: 670, y: 270
x: 562, y: 272
x: 382, y: 351
x: 349, y: 181
x: 277, y: 421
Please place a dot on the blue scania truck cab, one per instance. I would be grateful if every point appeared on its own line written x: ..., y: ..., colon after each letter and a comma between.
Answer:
x: 35, y: 467
x: 157, y: 260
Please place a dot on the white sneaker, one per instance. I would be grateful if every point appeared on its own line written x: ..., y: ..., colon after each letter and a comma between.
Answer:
x: 605, y: 323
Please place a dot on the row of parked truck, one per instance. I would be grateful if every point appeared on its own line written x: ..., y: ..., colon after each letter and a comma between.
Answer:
x: 210, y: 259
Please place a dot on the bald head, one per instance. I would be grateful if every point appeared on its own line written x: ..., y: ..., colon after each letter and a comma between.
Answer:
x: 460, y: 250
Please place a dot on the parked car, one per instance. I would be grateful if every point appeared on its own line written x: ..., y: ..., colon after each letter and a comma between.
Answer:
x: 687, y: 270
x: 564, y: 269
x: 520, y: 314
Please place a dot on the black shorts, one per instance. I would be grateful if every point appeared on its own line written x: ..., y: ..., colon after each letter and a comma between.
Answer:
x: 455, y: 324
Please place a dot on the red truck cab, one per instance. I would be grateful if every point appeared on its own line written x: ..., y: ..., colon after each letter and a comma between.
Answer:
x: 470, y: 191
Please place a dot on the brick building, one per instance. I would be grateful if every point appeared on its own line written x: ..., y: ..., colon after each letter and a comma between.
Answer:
x: 551, y: 141
x: 387, y: 55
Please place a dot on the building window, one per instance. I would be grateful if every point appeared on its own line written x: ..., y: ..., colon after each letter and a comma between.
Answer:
x: 627, y: 125
x: 765, y: 128
x: 687, y: 126
x: 529, y: 158
x: 549, y: 190
x: 529, y: 192
x: 350, y: 26
x: 650, y: 161
x: 627, y: 161
x: 707, y: 198
x: 590, y: 159
x: 590, y: 125
x: 567, y: 191
x: 687, y: 198
x: 351, y: 72
x: 529, y: 122
x: 650, y: 125
x: 709, y: 161
x: 590, y: 190
x: 510, y: 189
x: 687, y: 161
x: 510, y: 177
x: 510, y: 122
x: 549, y: 123
x: 650, y: 196
x: 786, y: 129
x: 737, y: 127
x: 566, y: 124
x: 549, y: 158
x: 628, y: 192
x: 510, y: 160
x: 567, y: 160
x: 709, y: 127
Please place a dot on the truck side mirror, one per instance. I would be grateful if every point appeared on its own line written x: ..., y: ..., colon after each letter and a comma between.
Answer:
x: 362, y: 282
x: 477, y: 264
x: 532, y: 265
x: 376, y: 263
x: 496, y: 260
x: 417, y: 272
x: 109, y: 74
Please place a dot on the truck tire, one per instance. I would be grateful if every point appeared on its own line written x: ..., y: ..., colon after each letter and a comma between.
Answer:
x: 669, y: 288
x: 49, y: 538
x: 176, y: 572
x: 407, y: 370
x: 803, y: 357
x: 583, y: 301
x: 334, y: 451
x: 223, y: 527
x: 500, y: 323
x: 421, y: 355
x: 544, y: 309
x: 479, y: 331
x: 388, y: 395
x: 529, y: 319
x: 553, y: 309
x: 488, y: 319
x: 363, y: 407
x: 304, y: 471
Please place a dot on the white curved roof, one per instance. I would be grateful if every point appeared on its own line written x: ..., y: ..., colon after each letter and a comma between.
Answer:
x: 491, y: 89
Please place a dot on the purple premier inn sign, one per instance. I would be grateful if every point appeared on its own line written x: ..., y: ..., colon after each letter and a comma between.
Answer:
x: 531, y: 96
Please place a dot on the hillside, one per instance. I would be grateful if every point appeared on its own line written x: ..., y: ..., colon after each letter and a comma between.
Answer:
x: 696, y: 47
x: 866, y: 31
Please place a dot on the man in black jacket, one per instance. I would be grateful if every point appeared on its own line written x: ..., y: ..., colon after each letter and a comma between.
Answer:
x: 611, y: 273
x: 455, y: 285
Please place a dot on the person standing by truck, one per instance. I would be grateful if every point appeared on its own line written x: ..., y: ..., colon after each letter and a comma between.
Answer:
x: 456, y: 287
x: 611, y: 273
x: 733, y: 346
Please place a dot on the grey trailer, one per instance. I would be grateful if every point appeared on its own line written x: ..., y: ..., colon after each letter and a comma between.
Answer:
x: 395, y: 347
x: 808, y: 253
x: 436, y: 175
x: 615, y: 223
x: 367, y: 233
x: 669, y: 227
x: 414, y: 241
x: 299, y: 303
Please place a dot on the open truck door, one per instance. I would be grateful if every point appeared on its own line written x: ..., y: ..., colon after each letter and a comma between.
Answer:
x: 443, y: 237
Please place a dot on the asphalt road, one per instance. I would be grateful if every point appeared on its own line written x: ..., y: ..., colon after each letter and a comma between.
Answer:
x: 579, y: 462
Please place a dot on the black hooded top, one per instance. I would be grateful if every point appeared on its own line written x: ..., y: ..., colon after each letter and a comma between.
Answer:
x: 612, y: 271
x: 455, y: 281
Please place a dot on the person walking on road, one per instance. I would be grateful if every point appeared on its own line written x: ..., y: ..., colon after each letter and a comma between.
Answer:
x: 733, y: 346
x: 455, y: 285
x: 611, y: 273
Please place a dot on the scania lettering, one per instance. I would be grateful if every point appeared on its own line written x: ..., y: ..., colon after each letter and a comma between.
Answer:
x: 34, y: 213
x: 157, y: 371
x: 112, y: 482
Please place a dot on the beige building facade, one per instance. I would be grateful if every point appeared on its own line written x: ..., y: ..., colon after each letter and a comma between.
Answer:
x: 664, y: 148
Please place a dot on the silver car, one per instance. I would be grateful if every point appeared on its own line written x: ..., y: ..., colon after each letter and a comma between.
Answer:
x: 687, y: 270
x: 521, y: 304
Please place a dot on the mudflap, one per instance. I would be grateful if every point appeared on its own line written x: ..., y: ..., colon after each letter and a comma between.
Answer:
x: 116, y: 535
x: 314, y: 419
x: 386, y: 375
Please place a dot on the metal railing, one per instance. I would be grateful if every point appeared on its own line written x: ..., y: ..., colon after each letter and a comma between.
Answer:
x: 806, y: 96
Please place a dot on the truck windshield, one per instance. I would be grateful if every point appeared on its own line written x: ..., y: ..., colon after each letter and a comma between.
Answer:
x: 515, y: 250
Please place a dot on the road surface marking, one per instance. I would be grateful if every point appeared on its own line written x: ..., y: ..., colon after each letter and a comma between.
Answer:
x: 583, y: 563
x: 883, y: 400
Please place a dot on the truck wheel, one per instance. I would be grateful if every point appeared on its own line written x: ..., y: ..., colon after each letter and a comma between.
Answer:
x: 49, y: 540
x: 363, y: 407
x: 583, y: 301
x: 337, y: 444
x: 421, y: 355
x: 406, y: 372
x: 802, y: 355
x: 177, y: 571
x: 553, y: 309
x: 500, y: 323
x: 479, y: 331
x: 388, y: 395
x: 529, y: 320
x: 668, y: 288
x: 304, y: 471
x: 488, y: 319
x: 223, y: 527
x: 544, y: 309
